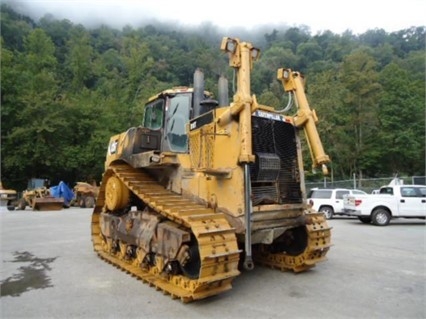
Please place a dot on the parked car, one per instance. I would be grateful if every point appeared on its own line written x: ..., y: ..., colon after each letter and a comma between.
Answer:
x: 330, y: 201
x: 393, y: 201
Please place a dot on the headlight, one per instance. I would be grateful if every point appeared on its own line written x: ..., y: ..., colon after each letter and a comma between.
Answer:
x: 113, y: 147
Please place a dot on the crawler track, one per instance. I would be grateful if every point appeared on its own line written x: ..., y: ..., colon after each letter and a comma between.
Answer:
x: 318, y: 245
x: 217, y: 243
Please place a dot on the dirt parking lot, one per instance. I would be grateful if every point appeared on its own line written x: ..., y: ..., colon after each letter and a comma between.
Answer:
x: 49, y: 270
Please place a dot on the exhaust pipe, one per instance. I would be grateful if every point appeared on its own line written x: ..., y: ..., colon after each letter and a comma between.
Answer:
x: 223, y: 94
x: 198, y: 92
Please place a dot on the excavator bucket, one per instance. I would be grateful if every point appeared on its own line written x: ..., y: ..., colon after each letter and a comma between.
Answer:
x: 48, y: 203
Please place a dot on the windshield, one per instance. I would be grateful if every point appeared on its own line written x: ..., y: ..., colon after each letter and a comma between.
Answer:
x: 177, y: 118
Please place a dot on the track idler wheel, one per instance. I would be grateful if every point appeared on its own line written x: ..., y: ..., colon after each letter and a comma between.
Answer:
x: 294, y: 241
x: 116, y: 194
x: 192, y: 267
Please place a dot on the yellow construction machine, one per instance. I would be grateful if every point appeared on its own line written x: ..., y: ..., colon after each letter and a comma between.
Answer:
x: 7, y: 198
x: 38, y: 196
x: 85, y: 194
x: 206, y: 189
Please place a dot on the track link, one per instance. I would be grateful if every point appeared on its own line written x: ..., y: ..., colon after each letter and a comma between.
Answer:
x: 318, y: 244
x: 218, y: 248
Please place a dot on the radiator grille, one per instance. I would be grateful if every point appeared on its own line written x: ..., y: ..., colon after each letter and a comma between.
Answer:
x: 276, y: 137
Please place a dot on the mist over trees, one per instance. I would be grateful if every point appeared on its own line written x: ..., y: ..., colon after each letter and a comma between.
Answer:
x: 65, y: 89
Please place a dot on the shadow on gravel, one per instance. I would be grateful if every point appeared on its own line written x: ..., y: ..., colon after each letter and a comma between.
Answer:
x: 29, y: 277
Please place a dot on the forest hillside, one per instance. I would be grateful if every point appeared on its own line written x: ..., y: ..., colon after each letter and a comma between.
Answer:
x: 66, y: 88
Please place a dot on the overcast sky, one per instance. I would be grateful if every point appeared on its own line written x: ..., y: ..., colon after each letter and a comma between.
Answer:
x: 319, y: 15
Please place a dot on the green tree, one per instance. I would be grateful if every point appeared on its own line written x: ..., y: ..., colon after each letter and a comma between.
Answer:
x: 79, y: 59
x: 308, y: 52
x: 297, y: 36
x: 9, y: 88
x: 361, y: 91
x: 66, y: 89
x: 401, y: 134
x: 138, y: 62
x: 33, y: 144
x: 14, y: 27
x: 264, y: 74
x: 325, y: 97
x: 10, y: 106
x: 59, y: 32
x: 408, y: 40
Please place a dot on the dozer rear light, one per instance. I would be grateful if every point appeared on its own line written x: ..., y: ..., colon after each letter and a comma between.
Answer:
x: 229, y: 45
x: 286, y: 74
x: 255, y: 53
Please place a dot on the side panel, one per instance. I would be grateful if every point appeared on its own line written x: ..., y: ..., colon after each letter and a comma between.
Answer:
x: 374, y: 201
x: 338, y: 201
x: 217, y: 178
x: 412, y: 201
x: 134, y: 141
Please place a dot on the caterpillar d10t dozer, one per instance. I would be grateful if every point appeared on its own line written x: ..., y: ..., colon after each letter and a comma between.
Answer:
x: 204, y: 190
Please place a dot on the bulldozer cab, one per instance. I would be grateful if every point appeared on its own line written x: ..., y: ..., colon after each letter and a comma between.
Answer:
x: 167, y: 116
x: 34, y: 183
x: 168, y: 113
x: 164, y: 130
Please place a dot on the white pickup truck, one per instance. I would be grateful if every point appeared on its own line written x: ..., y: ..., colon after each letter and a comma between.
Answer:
x: 397, y: 201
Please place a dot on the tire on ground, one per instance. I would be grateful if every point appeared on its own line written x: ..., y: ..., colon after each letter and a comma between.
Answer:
x: 22, y: 204
x: 89, y: 202
x: 380, y: 217
x: 327, y: 211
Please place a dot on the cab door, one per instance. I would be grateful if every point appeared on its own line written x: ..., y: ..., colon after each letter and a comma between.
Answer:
x: 338, y: 204
x: 175, y: 138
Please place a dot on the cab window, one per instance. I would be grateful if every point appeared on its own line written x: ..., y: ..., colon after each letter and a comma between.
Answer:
x: 386, y: 190
x: 422, y: 191
x: 320, y: 194
x: 154, y: 114
x: 339, y: 194
x: 408, y: 192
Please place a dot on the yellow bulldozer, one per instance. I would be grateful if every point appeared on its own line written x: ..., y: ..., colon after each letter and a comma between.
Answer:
x: 38, y: 196
x: 205, y: 189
